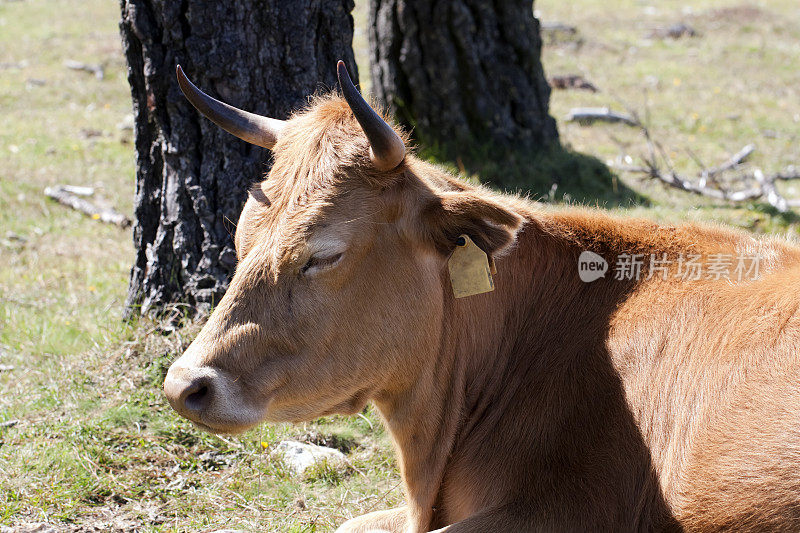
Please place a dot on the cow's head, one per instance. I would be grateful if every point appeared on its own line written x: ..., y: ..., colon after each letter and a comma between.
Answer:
x: 340, y: 289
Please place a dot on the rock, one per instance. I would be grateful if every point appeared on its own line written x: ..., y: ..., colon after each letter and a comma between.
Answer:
x: 300, y: 456
x: 97, y: 70
x: 299, y: 504
x: 572, y: 81
x: 89, y: 133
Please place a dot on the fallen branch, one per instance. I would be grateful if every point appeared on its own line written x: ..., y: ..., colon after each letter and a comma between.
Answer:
x: 789, y: 173
x: 587, y: 115
x: 771, y: 193
x: 766, y: 183
x: 62, y: 195
x: 78, y: 190
x: 734, y: 161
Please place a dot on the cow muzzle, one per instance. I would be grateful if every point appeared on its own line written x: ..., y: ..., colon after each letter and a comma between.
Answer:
x: 190, y: 391
x: 211, y: 398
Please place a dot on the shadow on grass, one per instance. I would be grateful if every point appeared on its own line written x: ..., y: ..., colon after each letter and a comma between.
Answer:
x: 789, y: 218
x: 551, y: 174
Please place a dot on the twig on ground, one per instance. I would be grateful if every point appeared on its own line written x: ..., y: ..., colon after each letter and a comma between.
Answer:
x: 78, y: 190
x: 587, y: 115
x: 361, y: 415
x: 62, y: 195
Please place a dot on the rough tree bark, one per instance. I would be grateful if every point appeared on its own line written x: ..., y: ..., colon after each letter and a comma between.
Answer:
x: 192, y: 178
x: 466, y: 75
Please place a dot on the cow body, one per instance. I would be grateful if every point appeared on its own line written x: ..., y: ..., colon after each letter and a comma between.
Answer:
x: 549, y: 404
x: 617, y: 406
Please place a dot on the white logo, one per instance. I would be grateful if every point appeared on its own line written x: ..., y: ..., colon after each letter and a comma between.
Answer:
x: 591, y: 266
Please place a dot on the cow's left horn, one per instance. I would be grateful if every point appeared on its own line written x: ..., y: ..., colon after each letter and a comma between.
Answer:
x: 255, y: 129
x: 386, y: 147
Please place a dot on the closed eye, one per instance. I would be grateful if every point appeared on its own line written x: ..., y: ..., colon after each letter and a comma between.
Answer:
x: 320, y: 262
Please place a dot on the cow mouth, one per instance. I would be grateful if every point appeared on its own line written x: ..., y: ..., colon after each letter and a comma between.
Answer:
x: 203, y: 427
x: 220, y: 431
x: 225, y: 425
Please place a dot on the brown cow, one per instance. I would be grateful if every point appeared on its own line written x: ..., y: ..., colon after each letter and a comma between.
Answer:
x: 550, y: 404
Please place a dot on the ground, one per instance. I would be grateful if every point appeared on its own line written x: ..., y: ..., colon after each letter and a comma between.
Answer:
x: 95, y: 445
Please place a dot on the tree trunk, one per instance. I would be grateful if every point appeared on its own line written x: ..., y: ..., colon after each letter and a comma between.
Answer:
x: 192, y: 178
x: 466, y: 75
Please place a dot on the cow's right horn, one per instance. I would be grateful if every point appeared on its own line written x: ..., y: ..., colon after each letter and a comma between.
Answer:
x: 255, y: 129
x: 386, y: 147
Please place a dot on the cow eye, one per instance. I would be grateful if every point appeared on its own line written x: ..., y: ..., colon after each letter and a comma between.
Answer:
x: 320, y: 262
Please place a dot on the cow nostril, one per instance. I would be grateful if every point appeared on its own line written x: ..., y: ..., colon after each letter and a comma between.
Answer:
x: 187, y: 394
x: 198, y: 398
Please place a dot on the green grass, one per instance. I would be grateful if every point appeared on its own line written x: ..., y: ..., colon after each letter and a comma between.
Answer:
x: 110, y: 447
x: 60, y: 286
x: 97, y: 445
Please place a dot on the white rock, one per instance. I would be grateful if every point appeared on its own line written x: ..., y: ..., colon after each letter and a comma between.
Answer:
x: 300, y: 456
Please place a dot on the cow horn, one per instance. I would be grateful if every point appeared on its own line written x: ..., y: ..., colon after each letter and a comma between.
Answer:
x: 255, y: 129
x: 387, y: 149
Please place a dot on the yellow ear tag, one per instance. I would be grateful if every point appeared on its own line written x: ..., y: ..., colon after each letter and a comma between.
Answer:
x: 469, y: 269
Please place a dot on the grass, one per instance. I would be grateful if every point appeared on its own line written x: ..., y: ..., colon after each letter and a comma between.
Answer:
x: 702, y: 97
x: 97, y: 446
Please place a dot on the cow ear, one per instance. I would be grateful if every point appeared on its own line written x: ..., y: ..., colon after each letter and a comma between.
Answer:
x: 490, y: 225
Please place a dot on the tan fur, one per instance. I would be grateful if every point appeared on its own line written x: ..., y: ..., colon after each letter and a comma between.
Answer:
x: 549, y: 404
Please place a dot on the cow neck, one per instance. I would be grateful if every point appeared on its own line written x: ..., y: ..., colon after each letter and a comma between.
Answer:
x: 422, y: 427
x: 429, y: 421
x: 426, y: 420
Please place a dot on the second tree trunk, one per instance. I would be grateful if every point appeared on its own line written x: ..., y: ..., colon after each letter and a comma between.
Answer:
x: 466, y: 75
